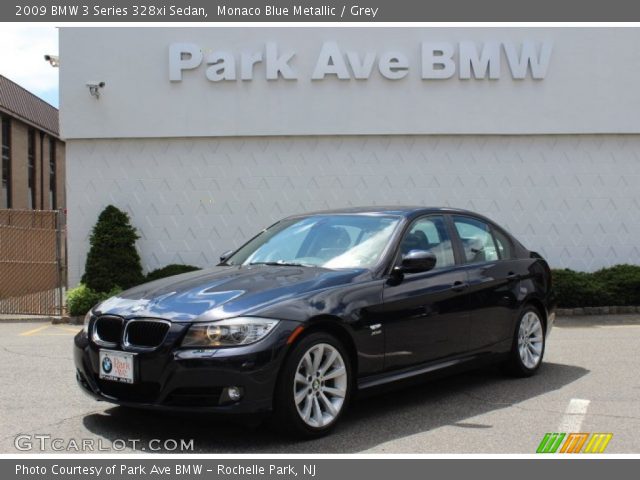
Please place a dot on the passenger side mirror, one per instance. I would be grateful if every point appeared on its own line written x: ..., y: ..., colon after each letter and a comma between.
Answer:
x: 416, y: 261
x: 225, y: 256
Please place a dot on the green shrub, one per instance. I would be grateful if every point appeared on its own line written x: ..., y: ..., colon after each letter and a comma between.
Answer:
x: 618, y: 285
x: 81, y: 299
x: 170, y: 270
x: 621, y: 282
x: 574, y: 289
x: 112, y: 259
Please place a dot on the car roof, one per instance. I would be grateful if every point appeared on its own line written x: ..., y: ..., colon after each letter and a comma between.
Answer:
x: 408, y: 212
x: 398, y: 210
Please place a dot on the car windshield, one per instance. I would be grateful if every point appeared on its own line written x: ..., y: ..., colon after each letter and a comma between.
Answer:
x: 330, y: 241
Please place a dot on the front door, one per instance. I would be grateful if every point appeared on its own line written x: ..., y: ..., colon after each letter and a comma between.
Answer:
x: 426, y: 316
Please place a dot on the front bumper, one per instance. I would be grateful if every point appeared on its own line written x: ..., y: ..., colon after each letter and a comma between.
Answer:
x: 179, y: 379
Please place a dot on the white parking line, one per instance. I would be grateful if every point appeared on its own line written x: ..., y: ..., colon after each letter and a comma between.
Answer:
x: 574, y: 415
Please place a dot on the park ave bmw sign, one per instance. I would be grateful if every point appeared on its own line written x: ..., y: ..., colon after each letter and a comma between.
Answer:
x: 438, y: 61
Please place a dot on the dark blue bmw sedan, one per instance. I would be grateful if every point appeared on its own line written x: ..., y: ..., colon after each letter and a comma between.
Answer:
x: 320, y: 306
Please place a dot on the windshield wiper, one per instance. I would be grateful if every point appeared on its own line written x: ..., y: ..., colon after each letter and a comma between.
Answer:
x: 282, y: 263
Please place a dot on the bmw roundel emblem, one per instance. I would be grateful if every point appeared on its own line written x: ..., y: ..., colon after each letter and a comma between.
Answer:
x: 106, y: 364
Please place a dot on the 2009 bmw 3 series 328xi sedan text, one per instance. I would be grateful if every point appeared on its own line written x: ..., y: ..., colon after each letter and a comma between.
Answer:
x: 318, y: 307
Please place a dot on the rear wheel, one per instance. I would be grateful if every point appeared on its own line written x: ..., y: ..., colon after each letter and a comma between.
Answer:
x: 528, y: 344
x: 314, y: 386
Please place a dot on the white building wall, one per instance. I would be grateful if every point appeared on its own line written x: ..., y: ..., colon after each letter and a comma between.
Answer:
x: 574, y: 198
x: 589, y: 86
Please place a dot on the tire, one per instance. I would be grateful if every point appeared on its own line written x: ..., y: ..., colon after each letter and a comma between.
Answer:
x: 529, y: 342
x: 312, y: 408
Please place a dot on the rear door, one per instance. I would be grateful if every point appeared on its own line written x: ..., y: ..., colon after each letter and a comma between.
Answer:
x: 493, y: 282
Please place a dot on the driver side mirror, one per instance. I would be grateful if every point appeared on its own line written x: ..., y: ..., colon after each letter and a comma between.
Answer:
x: 225, y: 256
x: 416, y: 261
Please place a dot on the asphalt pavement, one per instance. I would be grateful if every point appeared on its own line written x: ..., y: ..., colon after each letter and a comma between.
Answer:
x: 588, y: 383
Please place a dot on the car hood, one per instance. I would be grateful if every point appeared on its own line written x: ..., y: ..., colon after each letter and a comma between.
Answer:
x: 224, y: 292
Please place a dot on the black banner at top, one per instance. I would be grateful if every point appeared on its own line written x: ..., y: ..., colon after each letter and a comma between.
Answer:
x: 319, y: 11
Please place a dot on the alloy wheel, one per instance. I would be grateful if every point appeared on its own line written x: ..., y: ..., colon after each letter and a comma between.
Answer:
x: 530, y: 340
x: 320, y: 385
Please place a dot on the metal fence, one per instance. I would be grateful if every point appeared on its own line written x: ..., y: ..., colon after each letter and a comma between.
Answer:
x: 32, y: 262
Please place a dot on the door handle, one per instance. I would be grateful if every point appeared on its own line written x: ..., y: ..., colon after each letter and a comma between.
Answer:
x: 513, y: 276
x: 459, y: 286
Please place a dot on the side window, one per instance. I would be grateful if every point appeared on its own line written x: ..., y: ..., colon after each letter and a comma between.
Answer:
x: 476, y: 239
x: 505, y: 247
x: 430, y: 233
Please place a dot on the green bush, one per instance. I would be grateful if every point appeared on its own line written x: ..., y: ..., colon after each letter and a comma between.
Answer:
x: 170, y: 270
x: 621, y: 282
x: 81, y: 299
x: 112, y: 259
x: 614, y: 286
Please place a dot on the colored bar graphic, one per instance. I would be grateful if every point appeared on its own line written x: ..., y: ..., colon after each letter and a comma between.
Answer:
x: 598, y: 442
x: 574, y: 442
x: 550, y: 443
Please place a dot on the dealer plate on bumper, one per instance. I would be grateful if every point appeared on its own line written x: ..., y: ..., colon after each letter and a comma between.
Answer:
x: 116, y: 366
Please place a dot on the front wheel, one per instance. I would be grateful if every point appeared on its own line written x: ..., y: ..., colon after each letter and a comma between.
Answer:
x: 314, y: 386
x: 528, y: 344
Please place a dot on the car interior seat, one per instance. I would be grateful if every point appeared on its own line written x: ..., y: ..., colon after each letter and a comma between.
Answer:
x: 416, y: 240
x: 334, y: 241
x: 474, y: 249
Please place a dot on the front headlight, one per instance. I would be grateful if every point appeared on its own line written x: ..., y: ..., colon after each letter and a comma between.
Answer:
x: 228, y: 333
x: 87, y: 319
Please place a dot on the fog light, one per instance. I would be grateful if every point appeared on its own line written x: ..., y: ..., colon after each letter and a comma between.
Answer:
x: 231, y: 394
x: 234, y: 393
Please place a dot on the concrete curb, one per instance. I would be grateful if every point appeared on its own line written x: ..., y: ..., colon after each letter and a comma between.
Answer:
x: 612, y: 310
x: 619, y: 319
x: 53, y: 319
x: 28, y: 319
x: 69, y: 320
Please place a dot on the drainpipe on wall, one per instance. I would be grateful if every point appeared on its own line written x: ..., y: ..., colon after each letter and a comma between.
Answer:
x: 41, y: 170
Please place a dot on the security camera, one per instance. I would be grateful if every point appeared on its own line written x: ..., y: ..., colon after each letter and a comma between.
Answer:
x: 54, y: 60
x: 94, y: 88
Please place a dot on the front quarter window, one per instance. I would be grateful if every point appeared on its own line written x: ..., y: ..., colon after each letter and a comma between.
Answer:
x: 329, y: 241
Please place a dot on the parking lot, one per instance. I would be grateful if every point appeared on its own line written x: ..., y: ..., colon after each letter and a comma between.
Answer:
x: 589, y: 383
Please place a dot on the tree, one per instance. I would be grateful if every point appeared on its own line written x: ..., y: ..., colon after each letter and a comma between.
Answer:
x: 113, y: 260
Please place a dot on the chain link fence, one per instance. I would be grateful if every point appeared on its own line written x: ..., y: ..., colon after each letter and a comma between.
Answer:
x: 32, y: 262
